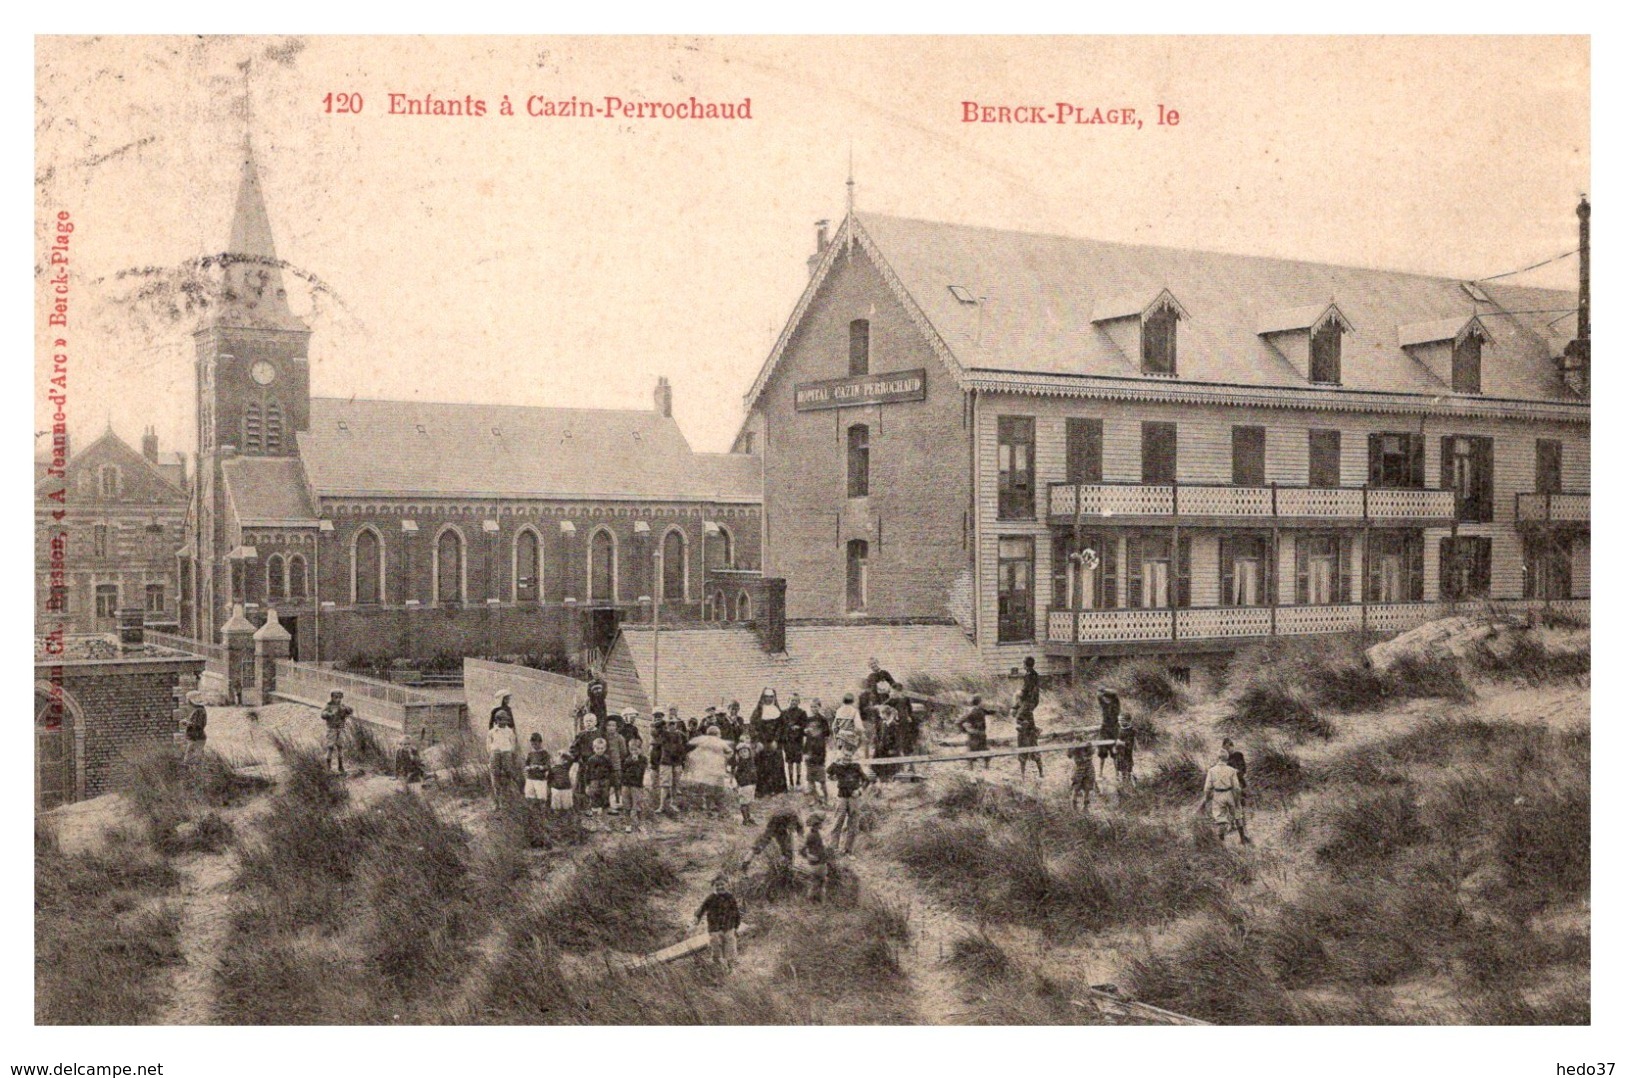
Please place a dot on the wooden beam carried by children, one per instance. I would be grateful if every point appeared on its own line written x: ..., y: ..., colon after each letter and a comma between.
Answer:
x: 985, y: 754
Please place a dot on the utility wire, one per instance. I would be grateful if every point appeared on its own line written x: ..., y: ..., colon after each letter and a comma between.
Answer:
x: 1526, y: 269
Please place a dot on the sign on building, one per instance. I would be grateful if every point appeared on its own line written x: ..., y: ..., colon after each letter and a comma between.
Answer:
x: 860, y: 390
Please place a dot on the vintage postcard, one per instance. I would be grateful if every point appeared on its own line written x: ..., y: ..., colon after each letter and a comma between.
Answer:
x: 832, y: 531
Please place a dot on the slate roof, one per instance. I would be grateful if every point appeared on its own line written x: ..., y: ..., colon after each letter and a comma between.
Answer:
x: 1044, y: 293
x: 268, y: 490
x: 716, y: 665
x: 409, y: 448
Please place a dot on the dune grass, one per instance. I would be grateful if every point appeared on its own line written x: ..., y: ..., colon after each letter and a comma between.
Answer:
x: 106, y: 928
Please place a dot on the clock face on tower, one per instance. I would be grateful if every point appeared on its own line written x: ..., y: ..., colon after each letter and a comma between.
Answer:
x: 262, y: 372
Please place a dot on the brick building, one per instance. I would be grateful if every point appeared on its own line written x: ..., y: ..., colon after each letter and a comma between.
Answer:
x: 405, y: 528
x: 98, y: 703
x: 1073, y: 447
x: 107, y: 524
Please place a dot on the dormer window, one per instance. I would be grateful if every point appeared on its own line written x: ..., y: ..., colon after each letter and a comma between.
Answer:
x: 1452, y: 349
x: 1310, y: 338
x: 1159, y: 340
x: 1467, y: 362
x: 1326, y: 353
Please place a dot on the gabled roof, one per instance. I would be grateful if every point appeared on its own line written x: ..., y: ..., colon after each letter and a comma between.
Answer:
x: 141, y: 479
x: 1295, y: 319
x: 1441, y: 329
x: 716, y: 665
x: 268, y: 491
x: 1043, y: 294
x: 415, y: 449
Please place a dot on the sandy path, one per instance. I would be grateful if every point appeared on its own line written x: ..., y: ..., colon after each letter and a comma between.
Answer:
x: 205, y: 922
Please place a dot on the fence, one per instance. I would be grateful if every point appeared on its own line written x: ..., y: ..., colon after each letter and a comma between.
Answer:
x: 397, y: 709
x: 213, y: 655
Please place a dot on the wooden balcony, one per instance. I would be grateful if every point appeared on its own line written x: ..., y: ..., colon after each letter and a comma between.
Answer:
x: 1121, y: 631
x: 1556, y: 509
x: 1197, y: 505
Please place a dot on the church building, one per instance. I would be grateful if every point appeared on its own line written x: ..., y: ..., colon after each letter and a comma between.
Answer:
x: 409, y: 529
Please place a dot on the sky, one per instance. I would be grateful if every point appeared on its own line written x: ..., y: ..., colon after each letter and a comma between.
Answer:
x: 571, y: 262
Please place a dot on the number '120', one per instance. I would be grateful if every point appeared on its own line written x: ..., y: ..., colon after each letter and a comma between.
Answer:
x: 342, y: 103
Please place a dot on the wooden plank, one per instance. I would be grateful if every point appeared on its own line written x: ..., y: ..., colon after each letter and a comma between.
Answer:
x: 983, y: 754
x: 1113, y: 1005
x: 683, y: 949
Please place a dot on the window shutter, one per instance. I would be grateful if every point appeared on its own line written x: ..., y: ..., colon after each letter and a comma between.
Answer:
x: 1060, y: 550
x: 1183, y: 559
x: 1374, y: 460
x: 1486, y: 479
x: 1447, y: 460
x: 1345, y: 568
x: 1107, y: 545
x: 1302, y: 550
x: 1373, y: 548
x: 1413, y: 568
x: 1132, y: 555
x: 1418, y: 462
x: 1227, y: 571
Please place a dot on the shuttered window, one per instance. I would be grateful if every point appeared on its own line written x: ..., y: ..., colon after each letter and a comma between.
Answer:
x: 1393, y: 567
x: 1325, y: 458
x: 1246, y: 575
x: 1468, y: 467
x: 1464, y: 567
x: 1159, y: 452
x: 1247, y: 456
x: 1085, y: 440
x: 1154, y: 577
x: 1396, y: 461
x: 1325, y: 568
x: 1072, y: 586
x: 1548, y: 466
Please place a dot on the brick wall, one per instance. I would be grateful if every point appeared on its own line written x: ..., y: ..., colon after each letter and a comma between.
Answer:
x: 919, y: 466
x: 126, y: 707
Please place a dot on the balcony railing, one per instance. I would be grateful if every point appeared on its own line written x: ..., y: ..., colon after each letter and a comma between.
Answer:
x: 1554, y: 508
x: 1104, y: 501
x: 1238, y: 622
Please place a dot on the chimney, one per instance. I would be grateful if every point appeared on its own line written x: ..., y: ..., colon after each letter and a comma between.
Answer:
x: 663, y: 397
x: 823, y: 243
x: 769, y: 621
x: 1575, y: 362
x: 149, y: 444
x: 131, y: 631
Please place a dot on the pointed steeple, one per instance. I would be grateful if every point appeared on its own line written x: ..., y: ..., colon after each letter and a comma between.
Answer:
x: 253, y: 293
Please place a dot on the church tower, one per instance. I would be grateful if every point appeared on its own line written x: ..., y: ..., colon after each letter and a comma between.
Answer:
x: 252, y: 385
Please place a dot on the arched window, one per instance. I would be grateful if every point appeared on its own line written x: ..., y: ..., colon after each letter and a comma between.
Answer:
x: 367, y: 567
x: 297, y: 582
x: 448, y: 565
x: 743, y: 606
x: 253, y: 428
x: 719, y: 607
x: 601, y: 571
x: 719, y: 549
x: 273, y: 427
x: 1467, y: 361
x: 857, y: 461
x: 276, y: 578
x: 527, y: 566
x: 674, y: 567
